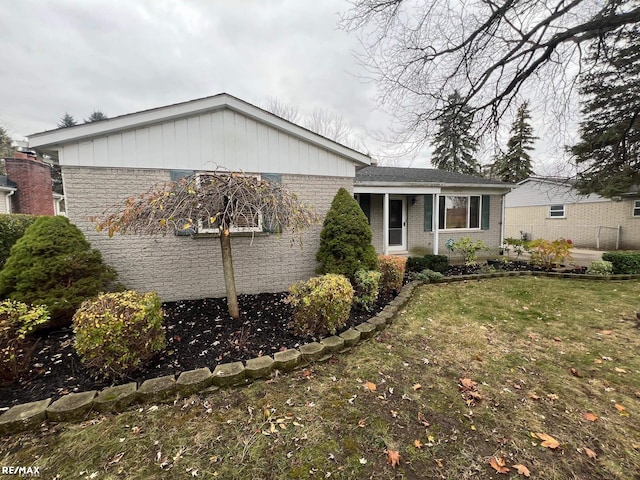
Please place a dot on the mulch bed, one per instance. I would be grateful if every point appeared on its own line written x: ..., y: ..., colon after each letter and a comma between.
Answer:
x: 200, y: 333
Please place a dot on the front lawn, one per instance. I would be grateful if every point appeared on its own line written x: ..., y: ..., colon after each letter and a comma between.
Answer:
x: 496, y: 371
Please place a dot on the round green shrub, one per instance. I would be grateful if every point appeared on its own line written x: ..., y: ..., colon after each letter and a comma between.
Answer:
x: 17, y: 321
x: 321, y: 305
x: 54, y: 265
x: 600, y: 267
x: 12, y: 228
x: 366, y: 288
x: 117, y: 333
x: 345, y: 240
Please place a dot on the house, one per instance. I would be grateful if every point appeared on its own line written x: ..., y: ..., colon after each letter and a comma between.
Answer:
x: 7, y: 190
x: 551, y: 208
x: 418, y: 210
x: 105, y: 162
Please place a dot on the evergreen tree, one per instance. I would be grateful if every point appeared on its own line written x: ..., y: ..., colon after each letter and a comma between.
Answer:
x: 96, y: 116
x: 454, y: 145
x: 608, y: 153
x: 515, y: 165
x: 6, y: 144
x: 345, y: 240
x: 67, y: 121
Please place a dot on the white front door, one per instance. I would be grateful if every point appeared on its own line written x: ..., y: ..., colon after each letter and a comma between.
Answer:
x: 397, y: 224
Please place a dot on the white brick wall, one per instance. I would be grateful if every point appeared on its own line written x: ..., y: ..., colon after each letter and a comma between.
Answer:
x: 185, y: 267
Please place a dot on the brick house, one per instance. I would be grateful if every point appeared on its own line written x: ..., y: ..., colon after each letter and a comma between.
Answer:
x: 105, y: 162
x: 550, y: 208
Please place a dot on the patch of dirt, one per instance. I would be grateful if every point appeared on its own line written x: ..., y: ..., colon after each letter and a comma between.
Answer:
x: 200, y: 333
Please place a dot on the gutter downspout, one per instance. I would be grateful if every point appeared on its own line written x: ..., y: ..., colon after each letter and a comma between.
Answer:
x: 435, y: 223
x: 8, y: 200
x: 502, y: 199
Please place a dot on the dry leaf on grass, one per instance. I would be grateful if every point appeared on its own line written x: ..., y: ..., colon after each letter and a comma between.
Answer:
x: 591, y: 417
x: 417, y: 444
x: 417, y: 386
x: 371, y: 386
x: 547, y: 440
x: 606, y: 332
x: 590, y: 453
x: 522, y: 470
x: 575, y: 373
x: 619, y: 407
x: 498, y: 464
x: 620, y: 370
x: 393, y: 457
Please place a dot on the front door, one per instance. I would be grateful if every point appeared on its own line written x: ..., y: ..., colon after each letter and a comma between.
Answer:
x: 397, y: 224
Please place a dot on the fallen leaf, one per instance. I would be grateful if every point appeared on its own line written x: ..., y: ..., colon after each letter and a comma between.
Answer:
x: 598, y: 361
x: 498, y: 464
x: 417, y: 444
x: 590, y: 453
x: 417, y: 386
x: 575, y: 373
x: 591, y: 417
x: 371, y: 386
x: 552, y: 396
x: 557, y: 339
x: 619, y: 407
x: 547, y: 440
x: 467, y: 383
x: 363, y: 461
x: 393, y: 457
x: 362, y: 422
x: 606, y: 332
x: 423, y: 420
x: 533, y: 396
x: 620, y: 370
x: 522, y: 470
x: 116, y: 458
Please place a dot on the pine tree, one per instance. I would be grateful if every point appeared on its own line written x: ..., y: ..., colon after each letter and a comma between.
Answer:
x: 515, y: 165
x: 6, y: 144
x: 454, y: 145
x: 67, y: 121
x: 608, y: 153
x: 96, y: 116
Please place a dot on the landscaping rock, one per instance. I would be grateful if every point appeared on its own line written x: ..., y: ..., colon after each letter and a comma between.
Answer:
x: 73, y: 406
x: 312, y: 351
x: 378, y: 323
x: 23, y: 417
x: 332, y: 344
x: 228, y: 374
x: 366, y: 330
x: 386, y: 316
x: 259, y: 367
x: 157, y: 389
x: 392, y: 309
x: 193, y: 381
x: 116, y: 399
x: 287, y: 359
x: 351, y: 337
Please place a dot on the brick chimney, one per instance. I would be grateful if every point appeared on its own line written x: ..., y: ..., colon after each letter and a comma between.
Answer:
x: 33, y: 179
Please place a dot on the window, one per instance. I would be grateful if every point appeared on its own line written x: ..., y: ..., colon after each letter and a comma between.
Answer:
x: 556, y: 211
x: 460, y: 211
x: 636, y: 208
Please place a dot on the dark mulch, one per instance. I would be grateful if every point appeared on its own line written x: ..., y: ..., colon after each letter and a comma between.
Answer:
x: 200, y: 333
x: 509, y: 266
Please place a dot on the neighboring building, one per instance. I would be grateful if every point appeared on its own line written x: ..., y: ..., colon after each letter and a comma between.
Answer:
x: 551, y: 208
x: 7, y: 190
x: 417, y: 210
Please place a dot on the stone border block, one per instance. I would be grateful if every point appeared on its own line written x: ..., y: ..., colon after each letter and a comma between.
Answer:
x: 287, y: 359
x: 23, y: 417
x: 259, y: 367
x: 378, y: 323
x: 115, y: 399
x: 157, y: 389
x: 386, y: 316
x: 351, y: 337
x: 332, y: 344
x: 228, y: 374
x: 71, y: 407
x: 193, y: 381
x: 366, y: 330
x: 312, y: 351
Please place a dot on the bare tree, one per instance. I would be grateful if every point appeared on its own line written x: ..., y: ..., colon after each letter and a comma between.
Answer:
x: 489, y: 50
x: 220, y: 199
x: 285, y: 110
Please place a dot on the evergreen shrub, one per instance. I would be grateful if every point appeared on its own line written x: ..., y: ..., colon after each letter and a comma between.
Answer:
x: 345, y: 240
x: 366, y: 288
x: 54, y: 265
x: 12, y: 227
x: 623, y: 262
x: 392, y: 268
x: 321, y: 305
x: 437, y: 263
x: 117, y: 333
x: 600, y: 267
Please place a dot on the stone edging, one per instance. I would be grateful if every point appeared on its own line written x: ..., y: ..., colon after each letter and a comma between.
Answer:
x: 75, y: 406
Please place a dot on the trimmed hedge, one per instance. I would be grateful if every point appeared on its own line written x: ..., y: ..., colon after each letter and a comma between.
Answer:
x: 392, y: 268
x: 436, y: 263
x: 623, y: 262
x: 12, y: 228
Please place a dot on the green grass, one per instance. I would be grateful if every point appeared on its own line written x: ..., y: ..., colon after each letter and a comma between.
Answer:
x: 518, y: 338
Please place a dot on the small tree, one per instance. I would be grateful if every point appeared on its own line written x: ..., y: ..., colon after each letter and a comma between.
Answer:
x: 96, y: 116
x: 221, y: 199
x: 54, y: 265
x: 6, y: 144
x: 515, y: 165
x: 67, y: 121
x: 345, y: 240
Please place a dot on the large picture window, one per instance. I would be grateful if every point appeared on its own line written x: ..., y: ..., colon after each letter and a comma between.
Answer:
x: 459, y: 211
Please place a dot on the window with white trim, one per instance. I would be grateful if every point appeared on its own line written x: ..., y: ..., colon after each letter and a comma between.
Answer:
x: 556, y: 211
x: 459, y: 211
x: 244, y: 221
x: 636, y: 208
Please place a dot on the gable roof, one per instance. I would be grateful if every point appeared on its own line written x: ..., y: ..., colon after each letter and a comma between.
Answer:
x: 54, y: 139
x: 374, y: 175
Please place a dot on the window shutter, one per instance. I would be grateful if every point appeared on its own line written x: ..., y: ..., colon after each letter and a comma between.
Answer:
x: 178, y: 174
x: 365, y: 205
x: 428, y: 212
x: 486, y: 207
x: 272, y: 178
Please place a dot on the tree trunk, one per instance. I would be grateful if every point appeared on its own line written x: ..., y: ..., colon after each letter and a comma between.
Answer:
x: 229, y: 277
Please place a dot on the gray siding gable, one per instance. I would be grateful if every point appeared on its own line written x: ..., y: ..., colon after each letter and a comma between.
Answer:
x: 533, y: 192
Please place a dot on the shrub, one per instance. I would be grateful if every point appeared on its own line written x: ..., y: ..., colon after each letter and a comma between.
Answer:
x: 119, y: 332
x: 345, y: 240
x: 392, y: 269
x: 17, y: 321
x: 600, y: 267
x: 546, y: 254
x: 623, y: 262
x: 429, y: 276
x: 515, y: 245
x: 54, y: 265
x: 468, y: 249
x: 437, y: 263
x: 321, y: 305
x: 366, y: 288
x: 12, y: 227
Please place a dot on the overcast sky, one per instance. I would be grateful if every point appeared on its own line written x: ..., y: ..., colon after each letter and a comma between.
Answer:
x: 122, y: 56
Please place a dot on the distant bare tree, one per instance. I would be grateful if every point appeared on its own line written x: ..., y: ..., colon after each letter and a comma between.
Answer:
x: 285, y: 110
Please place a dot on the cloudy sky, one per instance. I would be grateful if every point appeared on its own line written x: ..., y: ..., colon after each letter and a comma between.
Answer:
x: 122, y: 56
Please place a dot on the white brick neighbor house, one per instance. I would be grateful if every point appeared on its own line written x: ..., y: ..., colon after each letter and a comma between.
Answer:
x: 107, y: 161
x: 551, y: 208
